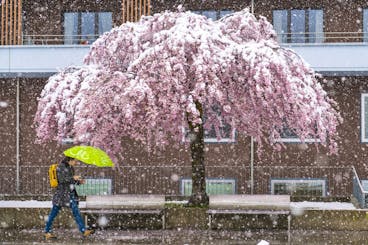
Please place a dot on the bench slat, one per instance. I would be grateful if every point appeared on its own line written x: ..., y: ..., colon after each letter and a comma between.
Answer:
x: 126, y: 202
x: 121, y: 211
x: 239, y: 211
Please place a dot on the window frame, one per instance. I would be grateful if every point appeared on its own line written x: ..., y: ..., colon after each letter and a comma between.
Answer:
x: 81, y: 188
x: 222, y: 140
x: 80, y: 37
x: 281, y: 15
x: 298, y: 180
x: 363, y: 123
x: 297, y: 140
x: 232, y: 139
x: 232, y: 181
x: 219, y: 13
x: 365, y: 24
x: 364, y: 183
x: 67, y: 141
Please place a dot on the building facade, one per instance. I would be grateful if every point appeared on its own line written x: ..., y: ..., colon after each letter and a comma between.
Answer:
x: 40, y: 37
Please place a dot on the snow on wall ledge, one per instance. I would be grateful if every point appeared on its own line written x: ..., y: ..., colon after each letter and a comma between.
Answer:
x: 37, y: 60
x: 293, y: 205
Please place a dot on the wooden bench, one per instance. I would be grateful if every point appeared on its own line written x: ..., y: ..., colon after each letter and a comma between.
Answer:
x: 249, y: 205
x: 125, y: 204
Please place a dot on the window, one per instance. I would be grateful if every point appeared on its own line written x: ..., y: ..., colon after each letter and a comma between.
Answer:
x: 213, y: 14
x: 85, y: 27
x: 95, y: 187
x: 67, y: 141
x: 213, y: 186
x: 298, y: 25
x: 227, y: 134
x: 364, y: 117
x: 299, y: 187
x: 364, y: 184
x: 288, y: 136
x: 365, y: 25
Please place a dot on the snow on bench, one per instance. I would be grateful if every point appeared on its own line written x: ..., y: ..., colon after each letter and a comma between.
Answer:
x: 126, y: 204
x: 258, y: 202
x: 249, y: 204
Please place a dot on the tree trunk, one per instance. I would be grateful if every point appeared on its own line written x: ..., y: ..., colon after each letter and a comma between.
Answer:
x: 199, y: 196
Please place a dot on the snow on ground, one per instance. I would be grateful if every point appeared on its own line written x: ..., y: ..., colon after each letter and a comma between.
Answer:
x: 322, y: 205
x: 31, y: 204
x: 293, y: 205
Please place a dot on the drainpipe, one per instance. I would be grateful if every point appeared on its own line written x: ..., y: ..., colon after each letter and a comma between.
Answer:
x: 251, y: 165
x: 17, y: 139
x: 251, y: 138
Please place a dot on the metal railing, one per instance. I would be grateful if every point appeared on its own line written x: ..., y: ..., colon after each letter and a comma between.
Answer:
x: 338, y: 179
x: 59, y: 39
x: 299, y: 37
x: 167, y: 180
x: 358, y: 191
x: 322, y: 37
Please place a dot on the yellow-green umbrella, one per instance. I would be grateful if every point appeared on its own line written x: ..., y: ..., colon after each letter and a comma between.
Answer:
x: 90, y: 155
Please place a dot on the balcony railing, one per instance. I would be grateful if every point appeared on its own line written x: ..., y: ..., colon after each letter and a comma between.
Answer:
x: 58, y: 39
x: 322, y: 37
x: 335, y: 58
x: 302, y: 37
x: 358, y: 191
x: 168, y: 179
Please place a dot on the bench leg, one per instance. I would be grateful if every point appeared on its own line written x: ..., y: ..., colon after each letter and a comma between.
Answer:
x: 86, y: 220
x: 289, y: 228
x: 163, y: 222
x: 210, y: 221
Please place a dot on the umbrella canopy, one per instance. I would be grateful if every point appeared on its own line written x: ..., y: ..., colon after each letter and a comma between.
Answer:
x: 89, y: 155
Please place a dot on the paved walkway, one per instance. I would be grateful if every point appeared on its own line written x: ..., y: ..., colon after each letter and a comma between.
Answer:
x: 186, y: 237
x: 147, y: 237
x: 217, y: 202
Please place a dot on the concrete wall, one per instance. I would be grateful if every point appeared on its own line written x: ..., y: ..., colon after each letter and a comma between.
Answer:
x: 193, y: 218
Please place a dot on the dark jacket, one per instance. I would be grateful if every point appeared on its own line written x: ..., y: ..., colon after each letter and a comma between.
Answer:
x: 66, y: 185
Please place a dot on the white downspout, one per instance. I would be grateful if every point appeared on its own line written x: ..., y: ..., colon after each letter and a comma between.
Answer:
x: 251, y: 165
x: 17, y: 138
x: 251, y: 138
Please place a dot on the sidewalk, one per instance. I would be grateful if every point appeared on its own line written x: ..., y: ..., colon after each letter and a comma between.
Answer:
x: 185, y: 237
x: 305, y: 215
x: 293, y: 205
x: 151, y: 237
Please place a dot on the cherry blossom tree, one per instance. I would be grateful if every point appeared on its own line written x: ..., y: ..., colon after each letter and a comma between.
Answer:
x: 150, y: 80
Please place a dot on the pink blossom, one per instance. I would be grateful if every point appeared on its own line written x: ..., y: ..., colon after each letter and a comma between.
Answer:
x: 142, y: 80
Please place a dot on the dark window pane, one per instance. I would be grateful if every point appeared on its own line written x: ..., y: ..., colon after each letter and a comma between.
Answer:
x: 280, y: 24
x: 297, y: 26
x: 71, y: 28
x: 225, y: 131
x: 365, y: 118
x: 88, y: 27
x: 104, y: 22
x: 299, y: 187
x: 315, y: 26
x: 365, y: 25
x: 225, y: 12
x: 210, y: 14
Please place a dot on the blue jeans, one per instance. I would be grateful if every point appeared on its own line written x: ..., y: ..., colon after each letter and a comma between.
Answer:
x: 75, y: 210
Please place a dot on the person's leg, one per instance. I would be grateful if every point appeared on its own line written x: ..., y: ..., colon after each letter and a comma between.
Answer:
x: 76, y: 213
x: 54, y: 212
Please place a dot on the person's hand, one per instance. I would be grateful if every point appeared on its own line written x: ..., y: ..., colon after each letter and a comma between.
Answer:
x: 77, y: 177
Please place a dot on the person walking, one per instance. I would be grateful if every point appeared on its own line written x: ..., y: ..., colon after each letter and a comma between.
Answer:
x: 66, y: 196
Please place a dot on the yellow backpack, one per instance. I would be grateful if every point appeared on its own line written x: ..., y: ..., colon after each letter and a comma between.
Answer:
x: 53, y: 176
